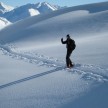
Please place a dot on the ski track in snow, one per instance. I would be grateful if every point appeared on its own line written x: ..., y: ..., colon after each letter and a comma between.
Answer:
x: 87, y: 72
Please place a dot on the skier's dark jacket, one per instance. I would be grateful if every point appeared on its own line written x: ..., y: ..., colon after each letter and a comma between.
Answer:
x: 70, y: 43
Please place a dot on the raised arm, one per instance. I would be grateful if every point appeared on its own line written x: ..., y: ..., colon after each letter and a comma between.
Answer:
x: 63, y: 42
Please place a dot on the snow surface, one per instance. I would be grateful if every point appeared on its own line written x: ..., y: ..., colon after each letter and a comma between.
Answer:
x: 32, y: 61
x: 3, y: 22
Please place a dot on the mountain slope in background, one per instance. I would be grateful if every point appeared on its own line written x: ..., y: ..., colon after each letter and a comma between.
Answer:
x: 24, y: 11
x: 4, y: 22
x: 43, y: 7
x: 5, y: 8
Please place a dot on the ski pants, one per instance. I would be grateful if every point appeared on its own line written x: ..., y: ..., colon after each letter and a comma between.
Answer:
x: 68, y: 60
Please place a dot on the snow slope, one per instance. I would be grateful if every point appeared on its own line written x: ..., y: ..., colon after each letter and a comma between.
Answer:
x: 43, y: 82
x: 92, y: 8
x: 3, y: 22
x: 32, y: 60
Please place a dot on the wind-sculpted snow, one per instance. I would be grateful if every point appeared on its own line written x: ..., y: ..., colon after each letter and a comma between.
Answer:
x: 87, y: 72
x: 48, y: 26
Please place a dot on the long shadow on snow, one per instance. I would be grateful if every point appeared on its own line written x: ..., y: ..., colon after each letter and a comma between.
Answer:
x: 30, y: 78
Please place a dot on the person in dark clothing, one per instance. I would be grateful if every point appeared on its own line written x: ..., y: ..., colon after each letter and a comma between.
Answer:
x: 70, y: 45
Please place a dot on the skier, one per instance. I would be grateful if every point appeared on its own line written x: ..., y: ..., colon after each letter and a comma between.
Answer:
x: 70, y: 45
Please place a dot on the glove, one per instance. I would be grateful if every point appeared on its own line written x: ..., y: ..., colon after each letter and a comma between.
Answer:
x: 61, y: 39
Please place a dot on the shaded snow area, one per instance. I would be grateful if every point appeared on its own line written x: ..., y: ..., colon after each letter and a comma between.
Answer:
x: 32, y: 61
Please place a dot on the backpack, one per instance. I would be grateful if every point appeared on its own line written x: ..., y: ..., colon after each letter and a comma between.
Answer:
x: 72, y: 44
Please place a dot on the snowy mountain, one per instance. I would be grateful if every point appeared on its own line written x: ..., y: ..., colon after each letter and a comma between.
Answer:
x: 5, y: 8
x: 32, y: 60
x: 45, y: 7
x: 3, y: 22
x: 28, y: 10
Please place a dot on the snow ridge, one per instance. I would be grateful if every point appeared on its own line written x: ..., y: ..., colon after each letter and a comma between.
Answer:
x: 5, y: 8
x: 87, y: 72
